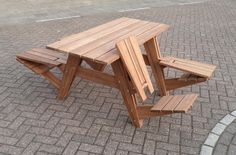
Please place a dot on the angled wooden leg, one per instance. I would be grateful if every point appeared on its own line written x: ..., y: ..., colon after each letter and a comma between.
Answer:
x: 153, y: 54
x: 69, y: 75
x: 52, y: 78
x: 126, y: 91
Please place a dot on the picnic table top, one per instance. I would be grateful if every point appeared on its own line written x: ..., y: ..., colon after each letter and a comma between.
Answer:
x: 99, y: 43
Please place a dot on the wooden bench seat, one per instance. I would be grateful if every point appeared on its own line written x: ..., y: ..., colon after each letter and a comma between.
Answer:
x: 44, y: 56
x: 177, y: 103
x: 133, y: 61
x: 193, y: 67
x: 193, y: 72
x: 41, y: 61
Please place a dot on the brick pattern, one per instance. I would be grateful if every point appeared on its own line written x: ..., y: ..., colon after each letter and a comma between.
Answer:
x: 94, y: 120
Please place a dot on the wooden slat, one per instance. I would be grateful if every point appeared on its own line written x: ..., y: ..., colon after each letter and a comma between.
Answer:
x: 136, y: 64
x: 51, y: 52
x: 42, y: 55
x: 78, y: 44
x: 186, y: 68
x: 35, y: 67
x: 186, y: 103
x: 151, y: 47
x: 105, y: 44
x: 131, y: 56
x: 173, y: 103
x: 200, y: 64
x: 178, y: 103
x: 84, y: 34
x: 127, y: 60
x: 38, y: 59
x: 195, y: 65
x: 152, y: 33
x: 98, y: 77
x: 162, y: 103
x: 112, y: 54
x: 29, y: 64
x: 109, y: 46
x: 142, y: 64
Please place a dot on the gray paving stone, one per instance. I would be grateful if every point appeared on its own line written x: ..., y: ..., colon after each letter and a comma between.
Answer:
x: 206, y: 150
x: 130, y: 147
x: 51, y: 149
x: 8, y: 149
x: 211, y: 139
x: 45, y: 139
x: 219, y: 128
x: 31, y: 149
x: 149, y: 147
x: 25, y: 140
x: 71, y: 148
x: 91, y: 148
x: 228, y: 119
x: 8, y: 140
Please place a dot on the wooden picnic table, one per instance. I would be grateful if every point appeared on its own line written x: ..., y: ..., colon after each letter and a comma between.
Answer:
x: 97, y: 46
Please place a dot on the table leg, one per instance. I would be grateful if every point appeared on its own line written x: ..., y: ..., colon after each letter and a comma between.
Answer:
x: 126, y: 90
x: 69, y: 74
x: 153, y: 53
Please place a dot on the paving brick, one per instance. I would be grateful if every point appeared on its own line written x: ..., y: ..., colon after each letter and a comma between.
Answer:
x: 91, y: 148
x: 121, y: 138
x: 83, y: 138
x: 4, y: 123
x: 31, y: 148
x: 64, y: 139
x: 76, y: 130
x: 45, y: 139
x: 26, y: 140
x: 8, y: 140
x: 102, y: 138
x: 149, y: 147
x: 71, y: 148
x: 58, y: 130
x: 40, y: 131
x: 52, y: 122
x: 8, y: 149
x: 138, y: 138
x: 16, y: 123
x: 51, y: 149
x: 130, y: 147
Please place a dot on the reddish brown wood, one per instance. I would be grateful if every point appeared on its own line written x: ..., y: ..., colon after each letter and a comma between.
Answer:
x: 69, y: 74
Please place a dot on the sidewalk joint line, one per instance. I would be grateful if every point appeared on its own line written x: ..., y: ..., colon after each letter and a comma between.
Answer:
x: 135, y: 9
x: 52, y: 19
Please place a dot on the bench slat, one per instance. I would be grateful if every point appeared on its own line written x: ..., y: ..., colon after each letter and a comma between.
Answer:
x: 177, y: 103
x: 187, y: 68
x: 133, y: 61
x: 42, y: 55
x: 90, y: 41
x: 186, y: 103
x: 173, y: 103
x: 38, y: 59
x: 87, y: 33
x: 52, y: 53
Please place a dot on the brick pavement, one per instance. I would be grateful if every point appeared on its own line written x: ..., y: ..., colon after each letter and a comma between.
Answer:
x: 93, y: 120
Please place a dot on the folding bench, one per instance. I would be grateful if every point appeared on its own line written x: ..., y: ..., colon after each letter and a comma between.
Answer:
x: 193, y: 72
x: 134, y: 63
x: 42, y: 60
